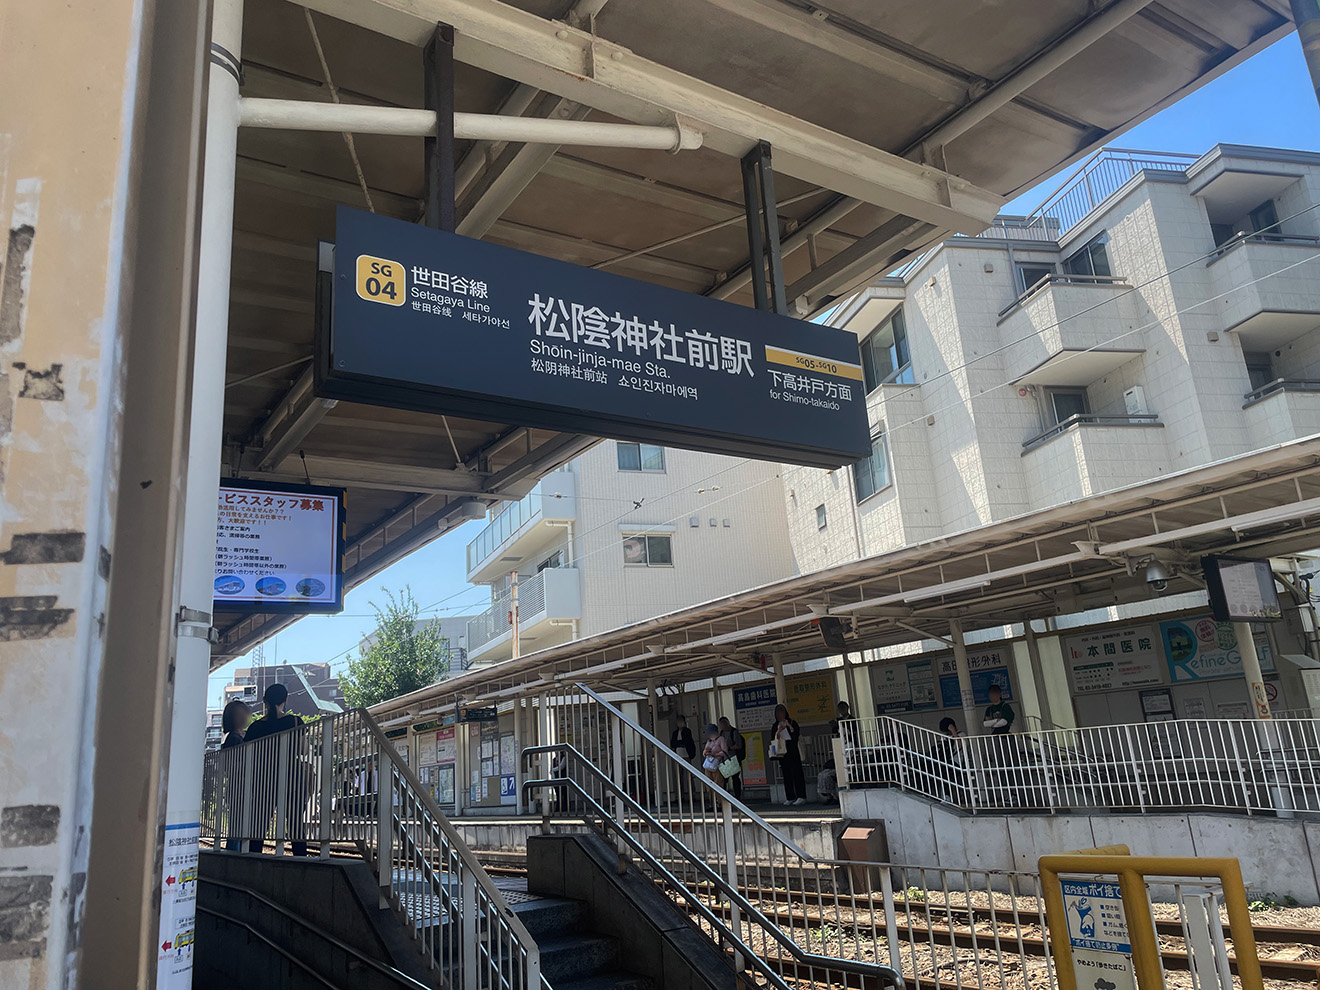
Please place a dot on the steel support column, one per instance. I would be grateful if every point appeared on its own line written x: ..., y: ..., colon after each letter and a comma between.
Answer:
x: 1307, y: 15
x: 438, y: 76
x: 763, y: 230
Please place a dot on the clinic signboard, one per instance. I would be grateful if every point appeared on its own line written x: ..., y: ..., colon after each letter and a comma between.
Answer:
x: 754, y: 714
x: 418, y: 318
x: 988, y: 669
x: 1114, y: 658
x: 279, y: 548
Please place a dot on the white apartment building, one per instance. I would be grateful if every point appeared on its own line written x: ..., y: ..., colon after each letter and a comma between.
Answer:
x: 1158, y: 313
x: 626, y: 532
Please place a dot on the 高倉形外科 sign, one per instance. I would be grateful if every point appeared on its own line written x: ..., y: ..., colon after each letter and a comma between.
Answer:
x: 428, y: 320
x: 279, y: 548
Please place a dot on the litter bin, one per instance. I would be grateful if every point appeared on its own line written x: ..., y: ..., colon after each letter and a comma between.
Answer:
x: 860, y: 844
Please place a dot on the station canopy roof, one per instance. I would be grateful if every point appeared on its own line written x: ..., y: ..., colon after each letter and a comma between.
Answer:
x: 892, y: 125
x: 1085, y: 555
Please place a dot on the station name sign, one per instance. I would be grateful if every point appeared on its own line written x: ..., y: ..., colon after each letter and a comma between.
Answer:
x: 433, y: 321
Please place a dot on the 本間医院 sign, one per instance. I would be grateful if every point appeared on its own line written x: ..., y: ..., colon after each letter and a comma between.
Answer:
x: 427, y: 320
x: 279, y: 548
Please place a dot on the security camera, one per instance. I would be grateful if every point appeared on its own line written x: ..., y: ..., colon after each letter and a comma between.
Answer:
x: 1157, y: 576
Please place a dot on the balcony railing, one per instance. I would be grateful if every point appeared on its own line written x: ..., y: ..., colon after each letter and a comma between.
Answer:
x: 1281, y: 385
x: 1059, y: 278
x: 494, y: 622
x: 514, y: 517
x: 1091, y: 419
x: 1269, y: 237
x: 1243, y: 766
x: 1100, y: 176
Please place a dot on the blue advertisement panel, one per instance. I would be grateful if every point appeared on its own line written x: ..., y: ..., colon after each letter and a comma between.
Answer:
x: 428, y: 320
x: 1203, y: 649
x: 981, y: 682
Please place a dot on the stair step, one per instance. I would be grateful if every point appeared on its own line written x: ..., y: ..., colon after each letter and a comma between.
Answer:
x: 549, y: 916
x: 572, y: 957
x: 615, y: 979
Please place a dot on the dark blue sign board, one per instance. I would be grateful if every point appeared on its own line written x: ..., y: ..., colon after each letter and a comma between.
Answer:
x: 432, y: 321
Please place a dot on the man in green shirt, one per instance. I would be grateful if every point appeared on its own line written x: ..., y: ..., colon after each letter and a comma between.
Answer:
x: 999, y: 716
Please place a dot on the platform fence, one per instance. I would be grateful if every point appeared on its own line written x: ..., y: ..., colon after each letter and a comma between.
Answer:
x: 1235, y: 765
x: 937, y: 927
x: 341, y: 781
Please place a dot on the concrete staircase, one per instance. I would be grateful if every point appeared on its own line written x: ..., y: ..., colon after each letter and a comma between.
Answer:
x: 573, y: 957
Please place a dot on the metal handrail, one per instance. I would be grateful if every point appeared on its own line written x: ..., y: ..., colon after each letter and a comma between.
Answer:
x: 1262, y: 237
x: 696, y: 775
x: 1091, y: 419
x: 1060, y: 278
x: 1281, y: 385
x: 885, y: 974
x: 380, y: 967
x: 341, y: 779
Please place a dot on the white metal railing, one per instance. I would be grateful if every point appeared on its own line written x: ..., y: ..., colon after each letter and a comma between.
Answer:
x: 497, y: 620
x: 1098, y: 178
x: 1239, y: 765
x: 1280, y: 385
x: 339, y: 780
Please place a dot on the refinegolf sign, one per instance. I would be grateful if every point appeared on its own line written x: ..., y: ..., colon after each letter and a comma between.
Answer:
x: 427, y: 320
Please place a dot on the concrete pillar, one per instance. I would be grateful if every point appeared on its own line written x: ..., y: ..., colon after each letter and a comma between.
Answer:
x: 1038, y: 675
x: 519, y: 744
x: 1260, y: 702
x: 101, y: 151
x: 781, y: 690
x: 970, y: 715
x: 850, y: 678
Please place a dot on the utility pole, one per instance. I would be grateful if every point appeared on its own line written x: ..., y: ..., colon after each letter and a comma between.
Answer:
x: 1307, y: 15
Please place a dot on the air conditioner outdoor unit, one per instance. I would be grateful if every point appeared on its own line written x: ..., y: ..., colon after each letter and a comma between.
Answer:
x: 1134, y: 401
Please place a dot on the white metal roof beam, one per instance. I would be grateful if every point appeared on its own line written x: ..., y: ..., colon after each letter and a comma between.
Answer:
x: 573, y: 64
x: 856, y: 264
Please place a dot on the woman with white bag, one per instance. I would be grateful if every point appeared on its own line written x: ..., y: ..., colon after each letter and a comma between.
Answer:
x: 715, y: 753
x: 784, y: 749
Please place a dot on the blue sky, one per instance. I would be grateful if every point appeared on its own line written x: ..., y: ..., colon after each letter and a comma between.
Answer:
x: 1265, y: 101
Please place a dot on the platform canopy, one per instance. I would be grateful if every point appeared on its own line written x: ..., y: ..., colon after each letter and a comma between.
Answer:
x: 891, y: 125
x: 1068, y: 559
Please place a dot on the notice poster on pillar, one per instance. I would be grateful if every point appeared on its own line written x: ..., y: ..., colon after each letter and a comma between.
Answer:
x: 754, y: 708
x: 1114, y: 658
x: 1202, y: 649
x: 178, y: 905
x: 754, y: 774
x: 279, y: 548
x: 434, y: 321
x: 988, y: 668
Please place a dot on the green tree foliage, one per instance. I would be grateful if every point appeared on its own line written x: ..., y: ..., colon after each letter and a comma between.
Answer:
x: 400, y: 656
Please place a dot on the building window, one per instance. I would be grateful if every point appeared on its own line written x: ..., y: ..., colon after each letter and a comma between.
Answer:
x: 1032, y: 274
x: 871, y: 473
x: 1065, y: 403
x: 1260, y: 369
x: 1264, y: 218
x: 820, y: 517
x: 556, y: 559
x: 648, y: 551
x: 885, y: 355
x: 641, y: 457
x: 1092, y: 259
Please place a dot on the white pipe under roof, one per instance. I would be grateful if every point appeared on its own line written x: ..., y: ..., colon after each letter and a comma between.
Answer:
x: 301, y: 115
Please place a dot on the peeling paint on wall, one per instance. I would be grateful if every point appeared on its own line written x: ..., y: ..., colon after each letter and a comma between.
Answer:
x: 13, y: 285
x: 45, y: 548
x: 47, y: 385
x: 29, y: 825
x: 24, y: 908
x: 33, y: 617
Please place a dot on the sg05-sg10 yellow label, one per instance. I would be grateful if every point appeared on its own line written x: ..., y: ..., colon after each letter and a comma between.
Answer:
x: 381, y: 280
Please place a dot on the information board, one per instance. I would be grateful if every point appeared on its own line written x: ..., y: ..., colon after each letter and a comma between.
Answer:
x: 1114, y: 658
x: 1203, y: 649
x: 1241, y: 590
x: 424, y: 319
x: 279, y: 548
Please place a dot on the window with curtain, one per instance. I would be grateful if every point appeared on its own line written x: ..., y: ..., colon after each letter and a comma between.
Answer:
x: 871, y: 473
x: 648, y: 551
x: 885, y: 355
x: 641, y: 457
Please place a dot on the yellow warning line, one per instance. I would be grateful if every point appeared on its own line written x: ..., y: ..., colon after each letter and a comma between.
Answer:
x: 809, y: 362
